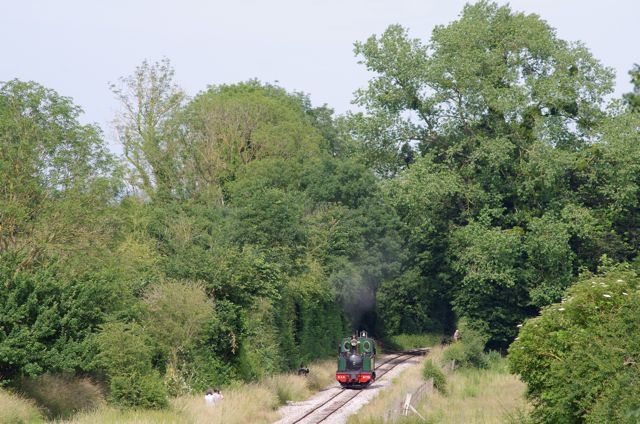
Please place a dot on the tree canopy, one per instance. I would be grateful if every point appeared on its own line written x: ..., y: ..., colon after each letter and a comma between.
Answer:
x: 500, y: 118
x: 244, y: 230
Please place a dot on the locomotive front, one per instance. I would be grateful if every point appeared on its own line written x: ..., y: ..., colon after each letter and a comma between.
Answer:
x: 356, y: 361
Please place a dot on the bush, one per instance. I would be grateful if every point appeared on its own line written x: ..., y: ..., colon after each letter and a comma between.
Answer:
x: 145, y: 391
x: 126, y: 358
x: 432, y: 370
x: 469, y: 351
x: 579, y: 358
x: 61, y: 395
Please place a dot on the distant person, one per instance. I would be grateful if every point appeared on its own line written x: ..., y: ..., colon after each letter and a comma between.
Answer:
x: 456, y: 335
x: 212, y: 396
x: 209, y: 398
x: 303, y: 370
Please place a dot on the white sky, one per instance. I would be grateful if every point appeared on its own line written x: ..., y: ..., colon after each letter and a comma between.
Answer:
x: 77, y: 47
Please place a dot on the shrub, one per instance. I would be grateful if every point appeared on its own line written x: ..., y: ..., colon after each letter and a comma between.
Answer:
x: 579, y: 358
x: 62, y: 395
x: 413, y: 341
x: 432, y: 370
x: 126, y: 358
x: 135, y: 390
x: 469, y: 351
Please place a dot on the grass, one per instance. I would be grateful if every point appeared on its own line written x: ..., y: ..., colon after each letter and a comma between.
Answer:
x: 413, y: 341
x: 245, y: 403
x: 487, y: 396
x: 18, y: 410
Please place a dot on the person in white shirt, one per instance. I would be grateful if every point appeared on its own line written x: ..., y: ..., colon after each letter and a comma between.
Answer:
x: 212, y: 396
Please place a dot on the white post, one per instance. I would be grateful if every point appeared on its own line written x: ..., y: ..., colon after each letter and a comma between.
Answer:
x: 407, y: 404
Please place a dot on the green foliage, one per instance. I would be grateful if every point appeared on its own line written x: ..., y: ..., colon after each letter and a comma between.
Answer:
x: 177, y: 313
x: 550, y: 260
x: 57, y: 175
x: 510, y: 189
x: 491, y: 295
x: 432, y: 370
x: 125, y: 356
x: 150, y: 99
x: 47, y: 317
x: 412, y: 341
x: 260, y: 355
x: 123, y: 349
x: 468, y: 352
x: 405, y: 306
x: 231, y: 126
x: 633, y: 99
x: 139, y: 390
x: 578, y: 357
x: 208, y: 369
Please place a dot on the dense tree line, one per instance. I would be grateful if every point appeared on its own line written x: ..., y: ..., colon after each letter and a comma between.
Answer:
x: 244, y: 230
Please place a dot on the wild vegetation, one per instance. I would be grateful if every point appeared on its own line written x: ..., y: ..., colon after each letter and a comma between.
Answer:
x: 463, y: 393
x: 244, y: 231
x: 254, y: 402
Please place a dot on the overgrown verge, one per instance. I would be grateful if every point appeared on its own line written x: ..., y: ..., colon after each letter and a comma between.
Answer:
x: 463, y: 393
x: 243, y: 403
x: 16, y: 409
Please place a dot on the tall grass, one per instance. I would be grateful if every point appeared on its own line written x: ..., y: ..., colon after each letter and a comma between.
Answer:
x: 15, y: 409
x: 488, y: 396
x: 244, y: 403
x: 412, y: 341
x: 479, y: 396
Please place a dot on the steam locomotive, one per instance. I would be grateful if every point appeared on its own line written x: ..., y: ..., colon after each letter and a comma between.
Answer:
x: 356, y: 361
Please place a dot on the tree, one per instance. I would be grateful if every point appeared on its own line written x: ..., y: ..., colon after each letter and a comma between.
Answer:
x: 515, y: 79
x: 47, y: 316
x: 150, y: 99
x: 58, y: 178
x: 493, y: 116
x: 177, y: 313
x: 230, y: 126
x: 633, y: 99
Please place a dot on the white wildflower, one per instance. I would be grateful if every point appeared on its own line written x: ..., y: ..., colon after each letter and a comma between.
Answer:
x: 606, y: 295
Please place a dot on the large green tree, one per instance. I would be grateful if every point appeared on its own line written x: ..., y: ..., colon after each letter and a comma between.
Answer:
x: 230, y: 126
x: 484, y: 129
x: 58, y: 231
x: 58, y: 177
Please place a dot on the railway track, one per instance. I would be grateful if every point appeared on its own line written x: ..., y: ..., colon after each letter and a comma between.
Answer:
x: 337, y: 399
